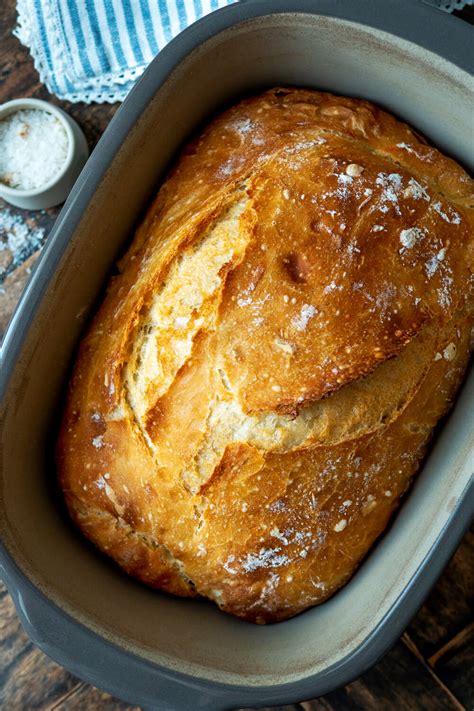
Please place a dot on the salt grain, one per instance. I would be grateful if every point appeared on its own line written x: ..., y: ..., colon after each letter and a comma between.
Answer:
x: 33, y: 149
x: 453, y: 218
x: 307, y: 313
x: 410, y: 237
x: 431, y: 266
x: 265, y: 558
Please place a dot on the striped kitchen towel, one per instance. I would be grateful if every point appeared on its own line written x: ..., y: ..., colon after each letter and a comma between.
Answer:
x: 94, y: 50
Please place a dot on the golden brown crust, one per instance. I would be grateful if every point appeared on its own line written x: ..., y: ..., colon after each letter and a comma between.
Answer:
x: 259, y: 386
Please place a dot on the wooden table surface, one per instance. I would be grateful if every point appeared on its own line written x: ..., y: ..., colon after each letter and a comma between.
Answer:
x: 428, y: 668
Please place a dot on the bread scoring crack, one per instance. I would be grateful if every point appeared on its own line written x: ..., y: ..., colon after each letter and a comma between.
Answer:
x: 165, y: 338
x: 382, y: 396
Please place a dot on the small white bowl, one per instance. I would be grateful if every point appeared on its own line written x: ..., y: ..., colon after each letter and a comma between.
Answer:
x: 56, y: 190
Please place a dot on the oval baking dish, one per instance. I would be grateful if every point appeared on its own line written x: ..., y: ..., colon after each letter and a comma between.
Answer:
x: 142, y: 646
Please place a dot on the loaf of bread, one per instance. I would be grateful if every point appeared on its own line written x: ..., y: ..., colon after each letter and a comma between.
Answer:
x: 259, y: 386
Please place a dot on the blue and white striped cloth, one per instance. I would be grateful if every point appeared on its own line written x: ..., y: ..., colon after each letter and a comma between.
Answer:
x: 94, y: 50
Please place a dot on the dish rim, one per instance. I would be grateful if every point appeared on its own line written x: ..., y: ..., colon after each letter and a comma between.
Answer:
x: 401, y: 18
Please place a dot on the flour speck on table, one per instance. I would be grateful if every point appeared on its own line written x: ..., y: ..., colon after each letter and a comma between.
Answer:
x: 20, y: 237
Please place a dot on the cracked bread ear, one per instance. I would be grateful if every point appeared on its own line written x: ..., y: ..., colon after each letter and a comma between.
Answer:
x: 259, y: 386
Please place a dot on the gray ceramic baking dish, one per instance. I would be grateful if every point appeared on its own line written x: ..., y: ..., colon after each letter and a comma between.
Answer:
x: 147, y: 648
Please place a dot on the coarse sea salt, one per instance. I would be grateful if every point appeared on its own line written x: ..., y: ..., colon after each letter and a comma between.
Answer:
x: 307, y: 313
x: 33, y: 149
x: 410, y: 237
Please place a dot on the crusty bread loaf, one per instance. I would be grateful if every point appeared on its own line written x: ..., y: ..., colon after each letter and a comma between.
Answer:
x: 260, y: 384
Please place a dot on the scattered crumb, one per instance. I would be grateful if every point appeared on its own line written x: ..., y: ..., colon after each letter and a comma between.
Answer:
x: 449, y: 352
x: 354, y: 170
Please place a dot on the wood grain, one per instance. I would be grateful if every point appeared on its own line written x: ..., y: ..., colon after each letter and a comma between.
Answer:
x: 84, y: 697
x: 449, y: 608
x: 454, y: 665
x: 399, y: 681
x: 430, y: 667
x: 28, y: 679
